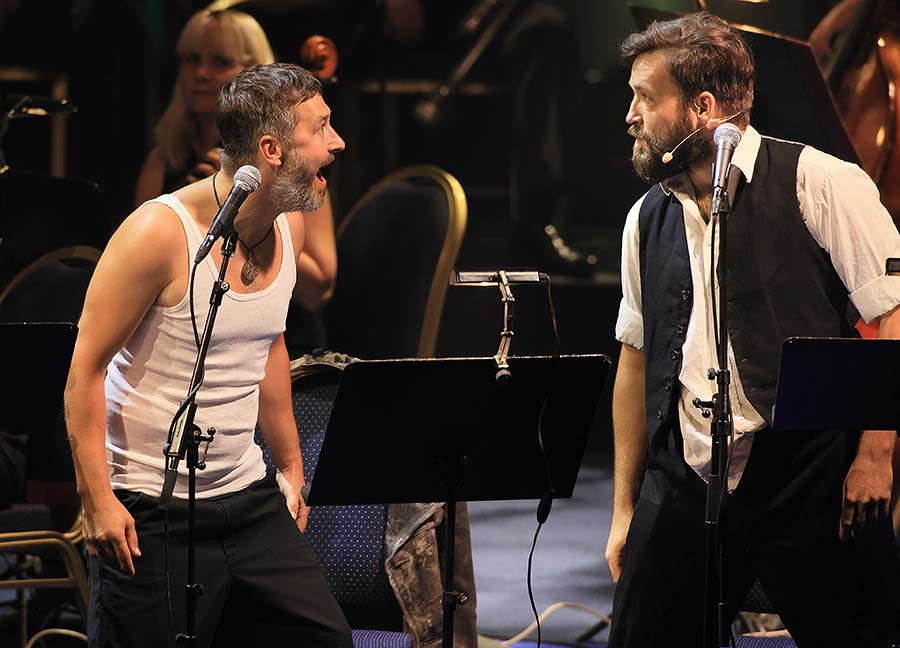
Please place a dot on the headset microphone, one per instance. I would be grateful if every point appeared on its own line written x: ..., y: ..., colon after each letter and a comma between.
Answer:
x: 669, y: 155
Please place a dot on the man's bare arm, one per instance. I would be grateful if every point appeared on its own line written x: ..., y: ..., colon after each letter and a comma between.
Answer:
x: 276, y: 421
x: 630, y: 439
x: 867, y: 488
x: 129, y: 276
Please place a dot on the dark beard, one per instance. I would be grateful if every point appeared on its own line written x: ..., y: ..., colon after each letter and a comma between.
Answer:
x: 647, y: 162
x: 294, y: 188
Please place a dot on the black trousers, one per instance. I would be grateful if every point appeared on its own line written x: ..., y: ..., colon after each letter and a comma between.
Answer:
x: 261, y: 583
x: 781, y: 526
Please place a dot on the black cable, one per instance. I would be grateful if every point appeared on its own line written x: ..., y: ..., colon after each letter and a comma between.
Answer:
x: 166, y: 567
x: 712, y: 282
x: 723, y: 488
x: 181, y: 409
x: 546, y: 503
x: 191, y: 301
x: 537, y: 618
x: 554, y: 381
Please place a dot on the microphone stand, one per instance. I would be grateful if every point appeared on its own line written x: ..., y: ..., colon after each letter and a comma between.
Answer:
x: 181, y: 445
x: 721, y: 431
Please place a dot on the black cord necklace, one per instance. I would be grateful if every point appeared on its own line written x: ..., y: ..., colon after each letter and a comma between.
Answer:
x: 250, y: 270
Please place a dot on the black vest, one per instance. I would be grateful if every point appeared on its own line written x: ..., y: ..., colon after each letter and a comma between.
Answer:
x: 780, y: 284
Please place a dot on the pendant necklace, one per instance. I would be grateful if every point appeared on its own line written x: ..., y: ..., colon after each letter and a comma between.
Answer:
x: 250, y: 270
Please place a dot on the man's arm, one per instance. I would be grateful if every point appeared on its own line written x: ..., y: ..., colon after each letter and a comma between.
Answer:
x: 867, y: 487
x: 129, y: 276
x: 630, y: 440
x: 317, y: 265
x: 276, y: 420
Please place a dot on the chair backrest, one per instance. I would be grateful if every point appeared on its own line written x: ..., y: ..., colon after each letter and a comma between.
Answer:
x: 51, y: 288
x: 396, y: 248
x: 348, y: 541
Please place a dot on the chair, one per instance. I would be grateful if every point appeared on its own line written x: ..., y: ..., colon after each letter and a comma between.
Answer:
x: 395, y: 249
x: 50, y: 288
x: 27, y: 529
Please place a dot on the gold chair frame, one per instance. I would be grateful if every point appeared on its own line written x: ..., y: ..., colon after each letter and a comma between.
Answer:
x: 456, y: 228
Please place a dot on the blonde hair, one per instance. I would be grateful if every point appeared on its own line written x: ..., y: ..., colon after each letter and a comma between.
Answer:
x: 233, y: 34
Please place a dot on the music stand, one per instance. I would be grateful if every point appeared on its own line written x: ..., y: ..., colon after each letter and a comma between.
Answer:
x: 426, y: 430
x: 838, y: 383
x: 37, y: 358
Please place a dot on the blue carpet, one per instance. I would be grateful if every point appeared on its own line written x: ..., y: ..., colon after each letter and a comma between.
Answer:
x: 569, y: 564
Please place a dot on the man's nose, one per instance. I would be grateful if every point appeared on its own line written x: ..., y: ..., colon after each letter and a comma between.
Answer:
x: 631, y: 116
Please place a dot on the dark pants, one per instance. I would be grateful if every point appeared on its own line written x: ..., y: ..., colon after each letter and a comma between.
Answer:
x: 261, y: 583
x: 780, y: 526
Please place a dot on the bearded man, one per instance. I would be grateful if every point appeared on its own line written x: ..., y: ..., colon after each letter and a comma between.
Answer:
x: 132, y: 366
x: 805, y: 512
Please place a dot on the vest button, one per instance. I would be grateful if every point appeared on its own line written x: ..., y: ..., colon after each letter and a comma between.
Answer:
x: 685, y: 294
x: 676, y: 354
x: 668, y: 385
x: 679, y: 329
x: 660, y: 415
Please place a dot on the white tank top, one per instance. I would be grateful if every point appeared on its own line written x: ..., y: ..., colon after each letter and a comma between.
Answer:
x: 149, y: 377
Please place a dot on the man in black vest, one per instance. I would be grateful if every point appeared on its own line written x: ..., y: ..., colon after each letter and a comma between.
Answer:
x: 807, y: 238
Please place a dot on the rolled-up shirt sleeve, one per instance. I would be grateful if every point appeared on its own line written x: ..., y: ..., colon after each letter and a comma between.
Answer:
x: 843, y: 212
x: 630, y: 323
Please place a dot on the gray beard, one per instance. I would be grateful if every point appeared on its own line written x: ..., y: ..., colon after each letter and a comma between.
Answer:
x: 292, y: 193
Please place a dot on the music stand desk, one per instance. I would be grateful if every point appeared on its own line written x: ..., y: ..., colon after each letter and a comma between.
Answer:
x: 37, y: 358
x: 838, y: 383
x: 425, y: 430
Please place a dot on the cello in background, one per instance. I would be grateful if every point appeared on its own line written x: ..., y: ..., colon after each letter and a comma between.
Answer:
x: 863, y: 72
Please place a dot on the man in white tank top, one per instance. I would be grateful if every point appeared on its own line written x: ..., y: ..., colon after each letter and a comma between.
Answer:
x: 132, y: 366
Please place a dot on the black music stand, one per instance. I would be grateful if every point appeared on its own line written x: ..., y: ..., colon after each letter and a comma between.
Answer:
x: 37, y: 358
x: 425, y: 430
x: 838, y: 383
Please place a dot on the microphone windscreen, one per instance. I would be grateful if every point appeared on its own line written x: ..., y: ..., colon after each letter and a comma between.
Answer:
x: 667, y: 157
x: 727, y: 133
x: 248, y: 178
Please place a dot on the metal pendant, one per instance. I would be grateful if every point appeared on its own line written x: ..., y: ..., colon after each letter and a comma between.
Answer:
x: 250, y: 270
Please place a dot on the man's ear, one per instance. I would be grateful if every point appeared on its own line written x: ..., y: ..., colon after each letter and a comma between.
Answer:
x: 705, y: 105
x: 270, y: 149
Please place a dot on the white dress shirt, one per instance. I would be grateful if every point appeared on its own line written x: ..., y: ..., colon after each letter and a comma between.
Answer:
x: 840, y: 207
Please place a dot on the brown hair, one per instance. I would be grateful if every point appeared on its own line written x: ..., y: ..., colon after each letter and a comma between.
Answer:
x: 257, y: 101
x: 703, y: 53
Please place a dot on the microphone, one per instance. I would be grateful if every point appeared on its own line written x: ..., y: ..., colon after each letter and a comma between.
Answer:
x: 246, y: 181
x: 726, y: 138
x: 668, y: 155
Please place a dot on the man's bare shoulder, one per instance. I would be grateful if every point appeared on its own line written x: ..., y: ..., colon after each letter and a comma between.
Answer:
x: 150, y: 239
x: 152, y: 222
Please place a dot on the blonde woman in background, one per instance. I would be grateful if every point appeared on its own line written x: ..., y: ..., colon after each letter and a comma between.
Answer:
x: 214, y: 46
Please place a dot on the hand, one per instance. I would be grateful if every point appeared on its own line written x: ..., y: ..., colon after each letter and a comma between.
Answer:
x: 615, y: 546
x: 297, y: 507
x: 867, y: 494
x: 209, y: 164
x: 109, y: 529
